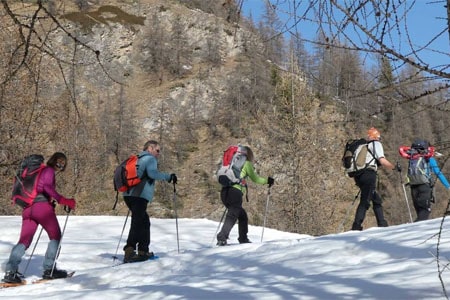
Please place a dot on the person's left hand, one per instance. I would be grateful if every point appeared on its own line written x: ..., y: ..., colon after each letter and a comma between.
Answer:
x: 68, y: 202
x: 270, y: 181
x: 173, y: 178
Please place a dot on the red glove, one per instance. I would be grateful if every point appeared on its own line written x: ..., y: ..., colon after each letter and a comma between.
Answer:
x: 68, y: 202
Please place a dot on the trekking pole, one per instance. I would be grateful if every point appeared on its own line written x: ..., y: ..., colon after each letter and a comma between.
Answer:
x: 406, y: 197
x: 66, y: 209
x: 218, y: 226
x: 407, y: 203
x: 176, y: 215
x: 121, y: 235
x: 265, y: 213
x: 347, y: 213
x: 32, y: 252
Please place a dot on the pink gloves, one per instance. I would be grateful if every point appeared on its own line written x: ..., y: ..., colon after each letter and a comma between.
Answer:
x: 68, y: 202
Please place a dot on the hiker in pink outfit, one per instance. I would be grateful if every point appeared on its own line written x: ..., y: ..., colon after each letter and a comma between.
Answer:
x: 41, y: 212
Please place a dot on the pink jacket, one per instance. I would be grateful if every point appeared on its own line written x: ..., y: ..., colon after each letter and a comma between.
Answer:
x: 46, y: 184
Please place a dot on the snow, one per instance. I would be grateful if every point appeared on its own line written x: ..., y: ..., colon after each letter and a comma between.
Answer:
x: 397, y: 262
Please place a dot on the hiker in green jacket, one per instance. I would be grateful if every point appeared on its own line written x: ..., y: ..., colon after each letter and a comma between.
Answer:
x: 231, y: 197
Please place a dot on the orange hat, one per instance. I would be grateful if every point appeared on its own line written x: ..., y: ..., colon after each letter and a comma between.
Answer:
x: 373, y: 134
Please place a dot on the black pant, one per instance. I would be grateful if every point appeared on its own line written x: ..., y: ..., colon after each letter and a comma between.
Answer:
x: 366, y: 181
x: 421, y: 196
x: 139, y: 234
x: 232, y: 199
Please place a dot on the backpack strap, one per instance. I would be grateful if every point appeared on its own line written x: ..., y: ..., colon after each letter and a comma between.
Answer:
x: 246, y: 192
x: 144, y: 177
x: 137, y: 190
x: 432, y: 179
x: 373, y: 154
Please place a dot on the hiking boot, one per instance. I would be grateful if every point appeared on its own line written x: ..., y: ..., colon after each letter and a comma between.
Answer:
x: 55, y: 275
x: 145, y: 255
x: 383, y: 224
x: 141, y: 256
x: 221, y: 243
x: 129, y: 253
x: 357, y: 227
x: 12, y: 277
x: 244, y: 241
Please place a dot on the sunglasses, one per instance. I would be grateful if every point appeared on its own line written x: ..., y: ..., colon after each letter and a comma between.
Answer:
x: 60, y: 166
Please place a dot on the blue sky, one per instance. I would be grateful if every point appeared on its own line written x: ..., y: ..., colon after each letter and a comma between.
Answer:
x: 424, y: 21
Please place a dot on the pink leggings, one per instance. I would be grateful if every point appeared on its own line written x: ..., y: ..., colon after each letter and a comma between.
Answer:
x: 41, y: 213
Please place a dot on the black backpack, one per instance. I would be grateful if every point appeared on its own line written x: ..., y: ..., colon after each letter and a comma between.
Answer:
x: 354, y: 158
x: 419, y: 170
x: 419, y: 165
x: 25, y: 182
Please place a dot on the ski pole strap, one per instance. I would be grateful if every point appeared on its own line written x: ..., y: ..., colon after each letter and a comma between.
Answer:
x: 117, y: 200
x: 246, y: 192
x: 356, y: 197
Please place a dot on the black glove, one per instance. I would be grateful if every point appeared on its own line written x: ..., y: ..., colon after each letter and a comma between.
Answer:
x: 398, y: 167
x: 173, y: 178
x: 270, y: 181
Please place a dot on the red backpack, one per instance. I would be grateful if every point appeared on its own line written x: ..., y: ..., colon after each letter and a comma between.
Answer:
x: 125, y: 175
x: 233, y: 160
